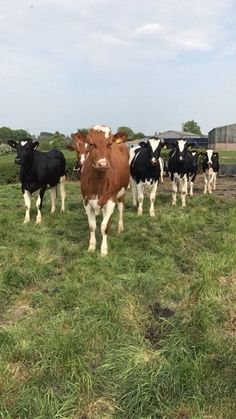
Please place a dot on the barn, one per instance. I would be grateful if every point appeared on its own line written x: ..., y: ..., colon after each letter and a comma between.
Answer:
x: 223, y: 138
x: 170, y: 135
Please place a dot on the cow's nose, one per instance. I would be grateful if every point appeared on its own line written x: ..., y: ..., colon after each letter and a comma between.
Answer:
x: 102, y: 163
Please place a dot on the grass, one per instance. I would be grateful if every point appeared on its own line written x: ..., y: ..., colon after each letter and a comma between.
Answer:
x: 147, y: 332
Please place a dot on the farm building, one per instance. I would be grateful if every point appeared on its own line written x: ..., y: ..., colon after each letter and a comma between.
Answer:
x: 169, y: 136
x: 223, y: 138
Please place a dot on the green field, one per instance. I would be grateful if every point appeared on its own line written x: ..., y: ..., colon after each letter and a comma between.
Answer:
x: 147, y: 332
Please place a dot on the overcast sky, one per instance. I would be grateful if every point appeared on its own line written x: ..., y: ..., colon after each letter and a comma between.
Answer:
x: 147, y: 64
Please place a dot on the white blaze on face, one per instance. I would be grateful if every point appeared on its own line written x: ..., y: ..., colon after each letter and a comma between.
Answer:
x: 82, y: 158
x: 181, y: 144
x: 209, y: 156
x: 103, y: 128
x: 23, y: 143
x: 154, y: 143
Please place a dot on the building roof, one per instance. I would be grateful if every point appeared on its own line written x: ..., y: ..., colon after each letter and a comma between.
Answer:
x: 178, y: 134
x: 222, y: 126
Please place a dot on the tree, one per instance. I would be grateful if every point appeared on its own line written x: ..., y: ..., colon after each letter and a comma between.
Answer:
x: 127, y: 131
x: 191, y: 126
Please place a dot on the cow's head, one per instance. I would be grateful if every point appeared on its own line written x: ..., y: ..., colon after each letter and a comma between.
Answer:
x: 24, y: 149
x: 100, y: 143
x: 180, y: 148
x: 81, y: 148
x: 120, y: 137
x: 153, y: 145
x: 210, y: 157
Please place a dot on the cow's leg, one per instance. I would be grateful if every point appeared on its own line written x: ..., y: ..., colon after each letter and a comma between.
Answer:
x: 134, y: 191
x: 92, y: 226
x: 62, y: 192
x: 27, y: 199
x: 190, y: 182
x: 206, y: 183
x: 120, y: 210
x: 140, y: 189
x: 183, y: 190
x: 107, y: 213
x: 39, y: 203
x: 174, y: 190
x: 53, y: 194
x: 210, y: 181
x: 214, y: 182
x: 38, y: 206
x: 152, y: 199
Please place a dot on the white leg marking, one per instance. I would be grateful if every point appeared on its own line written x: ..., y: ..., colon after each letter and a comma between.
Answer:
x: 27, y: 198
x: 53, y: 194
x: 120, y: 220
x: 174, y: 190
x: 190, y: 187
x: 62, y: 192
x: 214, y: 182
x: 134, y: 191
x: 140, y: 190
x: 183, y: 190
x: 152, y: 199
x: 38, y: 202
x: 92, y: 226
x: 107, y: 213
x: 210, y: 180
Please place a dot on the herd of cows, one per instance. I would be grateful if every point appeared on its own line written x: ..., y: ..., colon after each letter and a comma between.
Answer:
x: 107, y: 168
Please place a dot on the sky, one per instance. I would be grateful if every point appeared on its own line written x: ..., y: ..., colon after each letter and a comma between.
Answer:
x: 150, y: 65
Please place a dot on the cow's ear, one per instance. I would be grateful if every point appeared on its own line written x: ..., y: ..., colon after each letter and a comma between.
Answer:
x: 202, y: 153
x: 80, y: 136
x: 216, y: 154
x: 71, y: 147
x: 142, y: 144
x: 35, y: 145
x: 12, y: 143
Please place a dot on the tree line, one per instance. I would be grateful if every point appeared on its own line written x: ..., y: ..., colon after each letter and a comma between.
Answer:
x: 49, y: 140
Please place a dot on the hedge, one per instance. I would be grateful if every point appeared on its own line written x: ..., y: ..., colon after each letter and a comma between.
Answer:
x: 9, y: 172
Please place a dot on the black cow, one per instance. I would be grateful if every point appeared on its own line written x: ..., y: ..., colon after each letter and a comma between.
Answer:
x: 210, y: 167
x: 145, y: 171
x: 182, y: 166
x: 39, y: 171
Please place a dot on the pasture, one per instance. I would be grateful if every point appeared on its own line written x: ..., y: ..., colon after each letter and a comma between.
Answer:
x: 147, y: 332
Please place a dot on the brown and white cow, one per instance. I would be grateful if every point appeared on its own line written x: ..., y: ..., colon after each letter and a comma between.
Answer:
x: 104, y: 179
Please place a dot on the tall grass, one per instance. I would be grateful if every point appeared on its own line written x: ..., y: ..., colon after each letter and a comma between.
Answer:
x: 147, y: 332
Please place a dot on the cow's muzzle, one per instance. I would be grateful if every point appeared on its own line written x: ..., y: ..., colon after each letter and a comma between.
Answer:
x: 101, y: 164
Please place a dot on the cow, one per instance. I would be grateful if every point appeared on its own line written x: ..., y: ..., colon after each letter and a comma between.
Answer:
x: 182, y: 168
x: 39, y: 171
x: 104, y: 180
x: 210, y: 167
x: 145, y: 171
x: 193, y: 170
x: 81, y: 148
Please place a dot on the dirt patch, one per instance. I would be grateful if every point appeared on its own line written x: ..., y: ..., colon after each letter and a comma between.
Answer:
x: 225, y: 186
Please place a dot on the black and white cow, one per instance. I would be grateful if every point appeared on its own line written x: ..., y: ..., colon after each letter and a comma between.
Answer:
x: 182, y: 166
x: 145, y: 171
x: 210, y: 167
x: 39, y: 171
